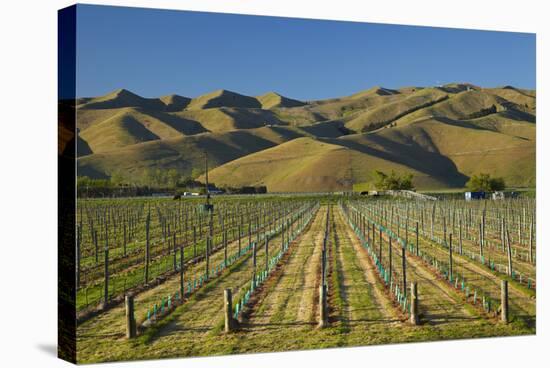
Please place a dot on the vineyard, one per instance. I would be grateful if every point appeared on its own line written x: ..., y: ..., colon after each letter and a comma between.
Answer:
x: 160, y: 278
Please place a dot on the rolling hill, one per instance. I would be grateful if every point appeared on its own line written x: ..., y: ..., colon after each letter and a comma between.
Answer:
x: 273, y: 99
x: 442, y: 135
x: 223, y: 98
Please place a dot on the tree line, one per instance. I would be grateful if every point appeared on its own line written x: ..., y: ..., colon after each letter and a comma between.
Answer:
x: 477, y: 183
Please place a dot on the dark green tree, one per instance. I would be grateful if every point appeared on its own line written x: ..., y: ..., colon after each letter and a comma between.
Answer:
x: 117, y: 178
x: 485, y: 183
x: 196, y: 172
x: 393, y: 181
x: 173, y: 177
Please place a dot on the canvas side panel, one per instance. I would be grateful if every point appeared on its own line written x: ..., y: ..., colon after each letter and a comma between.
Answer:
x: 66, y: 184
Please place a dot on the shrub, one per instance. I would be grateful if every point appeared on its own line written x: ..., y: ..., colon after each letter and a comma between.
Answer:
x: 485, y: 183
x: 393, y: 181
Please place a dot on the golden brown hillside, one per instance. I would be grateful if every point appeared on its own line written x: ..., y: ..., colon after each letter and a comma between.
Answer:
x: 442, y: 135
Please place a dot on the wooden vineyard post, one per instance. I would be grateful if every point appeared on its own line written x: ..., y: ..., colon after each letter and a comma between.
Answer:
x: 323, y: 264
x: 283, y: 235
x: 398, y: 227
x: 531, y: 242
x: 380, y: 246
x: 444, y: 231
x: 130, y: 319
x: 432, y: 222
x: 182, y: 284
x: 200, y: 225
x: 194, y: 242
x: 240, y: 227
x: 404, y: 263
x: 373, y: 236
x: 521, y: 224
x: 416, y: 243
x: 125, y: 240
x: 509, y: 252
x: 96, y: 245
x: 257, y: 230
x: 266, y: 253
x: 460, y: 235
x: 407, y: 233
x: 175, y: 250
x: 211, y: 225
x: 323, y: 270
x: 414, y: 304
x: 106, y: 271
x: 207, y: 258
x: 502, y: 235
x: 322, y: 306
x: 483, y: 228
x: 289, y: 230
x: 78, y: 255
x: 167, y: 234
x: 451, y: 257
x: 391, y: 219
x: 422, y: 218
x: 481, y: 242
x: 254, y: 265
x: 147, y: 254
x: 186, y: 224
x: 249, y: 233
x: 390, y: 260
x: 228, y: 309
x: 225, y: 247
x: 504, y: 301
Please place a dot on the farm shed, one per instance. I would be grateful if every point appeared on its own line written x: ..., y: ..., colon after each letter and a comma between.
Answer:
x: 474, y: 195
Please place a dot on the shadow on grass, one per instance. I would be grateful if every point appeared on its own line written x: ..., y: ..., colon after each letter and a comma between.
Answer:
x: 250, y: 326
x: 168, y: 324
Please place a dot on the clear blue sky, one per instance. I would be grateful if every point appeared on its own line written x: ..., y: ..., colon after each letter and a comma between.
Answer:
x: 159, y: 52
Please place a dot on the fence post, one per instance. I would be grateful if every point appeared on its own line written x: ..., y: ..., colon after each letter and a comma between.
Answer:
x: 481, y: 241
x: 78, y: 254
x: 147, y: 245
x: 380, y: 245
x: 322, y: 306
x: 106, y: 273
x: 266, y: 253
x: 283, y: 235
x: 417, y: 238
x: 182, y: 287
x: 225, y: 247
x: 130, y: 320
x: 240, y: 226
x: 509, y: 252
x: 460, y: 235
x: 228, y: 307
x: 404, y: 264
x: 373, y: 238
x: 195, y: 243
x: 504, y: 301
x: 451, y: 257
x: 254, y: 265
x: 390, y: 261
x: 175, y: 250
x: 207, y: 257
x: 414, y: 304
x: 531, y: 241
